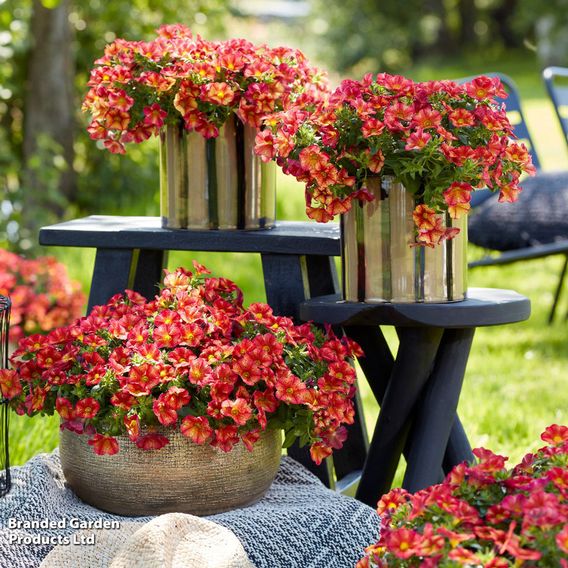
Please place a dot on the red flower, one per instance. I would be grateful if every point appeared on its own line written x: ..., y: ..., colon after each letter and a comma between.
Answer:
x: 87, y: 408
x: 132, y: 424
x: 64, y: 408
x: 225, y: 438
x: 152, y: 442
x: 166, y: 415
x: 403, y: 542
x: 10, y: 385
x: 555, y: 435
x: 104, y: 445
x: 562, y: 539
x: 290, y: 389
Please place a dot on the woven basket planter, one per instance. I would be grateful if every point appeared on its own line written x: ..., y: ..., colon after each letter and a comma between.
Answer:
x: 181, y: 477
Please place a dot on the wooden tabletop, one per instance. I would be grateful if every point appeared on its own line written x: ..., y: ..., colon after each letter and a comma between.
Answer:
x: 482, y: 307
x: 99, y: 231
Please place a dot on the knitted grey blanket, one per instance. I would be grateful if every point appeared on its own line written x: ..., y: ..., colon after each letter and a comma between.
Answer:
x: 298, y: 524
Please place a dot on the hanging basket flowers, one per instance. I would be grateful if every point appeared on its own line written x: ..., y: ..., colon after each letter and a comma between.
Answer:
x: 138, y: 87
x: 42, y: 295
x: 441, y: 140
x: 192, y: 360
x: 482, y: 514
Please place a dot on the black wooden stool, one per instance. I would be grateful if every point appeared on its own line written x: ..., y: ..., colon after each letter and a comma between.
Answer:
x: 418, y: 391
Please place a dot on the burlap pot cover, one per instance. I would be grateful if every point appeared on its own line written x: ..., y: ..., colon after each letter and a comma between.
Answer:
x: 181, y: 477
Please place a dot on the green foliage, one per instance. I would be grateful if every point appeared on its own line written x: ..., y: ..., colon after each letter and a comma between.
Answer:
x: 106, y: 184
x: 357, y: 36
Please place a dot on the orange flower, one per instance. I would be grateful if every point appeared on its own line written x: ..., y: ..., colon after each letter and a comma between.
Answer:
x: 219, y: 93
x: 319, y: 451
x: 239, y: 410
x: 509, y: 193
x: 196, y: 428
x: 457, y: 198
x: 424, y: 217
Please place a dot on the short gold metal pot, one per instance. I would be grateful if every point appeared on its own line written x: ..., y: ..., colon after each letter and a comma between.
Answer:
x: 181, y: 477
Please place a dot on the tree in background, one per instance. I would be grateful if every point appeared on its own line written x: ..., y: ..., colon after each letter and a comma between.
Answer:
x: 389, y: 35
x: 48, y: 165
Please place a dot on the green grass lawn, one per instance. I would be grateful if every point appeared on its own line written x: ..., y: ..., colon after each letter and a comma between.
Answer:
x: 516, y: 378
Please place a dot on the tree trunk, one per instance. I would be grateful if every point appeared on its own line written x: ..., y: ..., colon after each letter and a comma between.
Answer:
x: 502, y: 17
x: 468, y: 17
x: 49, y: 180
x: 445, y: 42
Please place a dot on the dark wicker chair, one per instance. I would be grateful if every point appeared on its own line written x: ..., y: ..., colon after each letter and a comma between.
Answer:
x: 536, y: 225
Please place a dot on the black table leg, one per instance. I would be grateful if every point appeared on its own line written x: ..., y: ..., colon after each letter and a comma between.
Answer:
x: 459, y: 448
x: 111, y: 275
x: 148, y: 271
x: 289, y: 280
x: 436, y: 410
x: 412, y: 367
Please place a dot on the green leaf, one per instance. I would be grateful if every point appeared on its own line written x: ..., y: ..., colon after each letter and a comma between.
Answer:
x: 289, y: 439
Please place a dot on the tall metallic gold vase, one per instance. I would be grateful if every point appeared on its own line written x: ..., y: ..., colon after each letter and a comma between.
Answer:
x: 181, y: 477
x: 379, y: 263
x: 217, y: 183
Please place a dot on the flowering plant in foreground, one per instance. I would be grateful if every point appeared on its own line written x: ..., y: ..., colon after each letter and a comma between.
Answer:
x: 194, y: 360
x: 43, y: 297
x: 482, y: 515
x: 442, y: 140
x: 138, y: 87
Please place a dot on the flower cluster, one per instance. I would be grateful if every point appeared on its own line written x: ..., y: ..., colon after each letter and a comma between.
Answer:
x: 43, y: 298
x: 482, y: 515
x: 137, y: 87
x: 193, y: 359
x: 442, y: 140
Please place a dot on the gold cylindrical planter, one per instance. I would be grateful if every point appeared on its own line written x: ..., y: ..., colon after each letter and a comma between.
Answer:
x: 181, y: 477
x: 219, y: 183
x: 380, y: 265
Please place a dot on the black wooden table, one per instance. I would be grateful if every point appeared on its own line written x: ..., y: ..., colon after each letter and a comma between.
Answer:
x: 297, y: 264
x: 418, y: 390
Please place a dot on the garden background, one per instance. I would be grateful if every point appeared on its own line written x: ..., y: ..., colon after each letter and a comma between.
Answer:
x: 49, y: 169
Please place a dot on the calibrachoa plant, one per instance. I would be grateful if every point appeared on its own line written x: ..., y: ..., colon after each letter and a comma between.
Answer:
x: 43, y: 297
x: 193, y: 360
x: 442, y: 140
x: 138, y: 87
x: 482, y: 515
